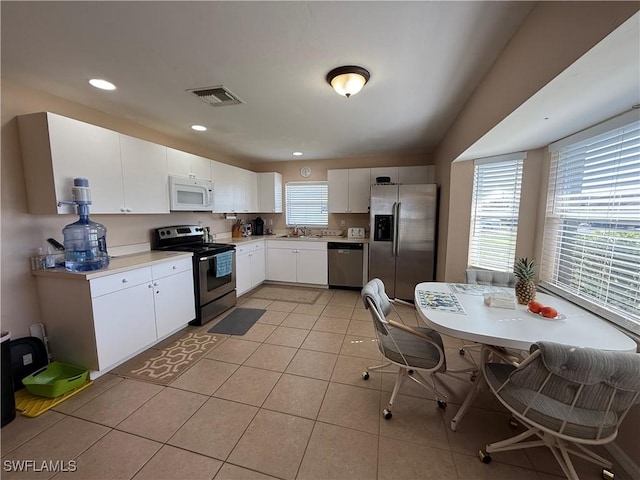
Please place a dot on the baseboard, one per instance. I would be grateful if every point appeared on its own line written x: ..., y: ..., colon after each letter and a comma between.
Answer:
x: 621, y: 458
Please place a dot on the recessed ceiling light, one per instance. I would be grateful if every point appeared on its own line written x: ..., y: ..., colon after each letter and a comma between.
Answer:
x: 199, y: 128
x: 296, y: 154
x: 102, y: 84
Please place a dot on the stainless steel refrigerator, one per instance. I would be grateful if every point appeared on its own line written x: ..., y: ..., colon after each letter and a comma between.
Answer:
x: 403, y: 237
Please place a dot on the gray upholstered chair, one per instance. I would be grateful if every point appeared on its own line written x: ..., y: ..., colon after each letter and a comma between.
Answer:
x: 568, y: 397
x: 487, y: 277
x: 414, y: 350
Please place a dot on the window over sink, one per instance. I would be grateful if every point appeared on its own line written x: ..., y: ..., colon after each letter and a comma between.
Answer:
x: 307, y: 204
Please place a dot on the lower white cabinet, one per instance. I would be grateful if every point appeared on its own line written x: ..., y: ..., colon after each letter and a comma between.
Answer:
x: 250, y: 266
x: 99, y: 323
x: 297, y: 261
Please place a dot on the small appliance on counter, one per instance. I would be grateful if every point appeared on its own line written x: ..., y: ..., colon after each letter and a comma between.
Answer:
x: 258, y: 226
x: 246, y: 229
x: 355, y: 232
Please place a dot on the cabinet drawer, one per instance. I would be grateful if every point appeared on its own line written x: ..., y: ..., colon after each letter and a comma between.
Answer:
x: 120, y: 281
x: 169, y: 268
x: 297, y: 244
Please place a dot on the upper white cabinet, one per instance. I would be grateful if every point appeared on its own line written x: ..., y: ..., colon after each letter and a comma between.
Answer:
x: 223, y: 187
x: 349, y: 190
x: 245, y: 191
x: 56, y: 149
x: 126, y: 174
x: 415, y: 175
x: 144, y: 172
x: 269, y: 192
x: 188, y: 165
x: 391, y: 172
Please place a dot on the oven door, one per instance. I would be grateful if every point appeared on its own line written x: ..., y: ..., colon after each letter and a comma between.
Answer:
x: 217, y: 275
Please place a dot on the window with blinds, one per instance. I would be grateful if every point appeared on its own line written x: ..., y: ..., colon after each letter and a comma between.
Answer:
x: 494, y: 212
x: 591, y: 247
x: 307, y: 204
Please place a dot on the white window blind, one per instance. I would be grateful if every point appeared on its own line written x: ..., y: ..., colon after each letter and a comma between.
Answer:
x: 307, y: 204
x: 591, y: 249
x: 494, y: 212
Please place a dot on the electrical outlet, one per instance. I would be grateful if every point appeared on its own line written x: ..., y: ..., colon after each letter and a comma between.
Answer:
x: 270, y: 221
x: 342, y: 223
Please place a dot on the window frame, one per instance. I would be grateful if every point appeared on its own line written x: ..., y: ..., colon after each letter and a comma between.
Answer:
x: 498, y: 222
x: 323, y: 199
x: 566, y: 228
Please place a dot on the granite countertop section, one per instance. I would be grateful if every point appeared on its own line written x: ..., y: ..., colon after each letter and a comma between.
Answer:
x: 116, y: 265
x: 256, y: 238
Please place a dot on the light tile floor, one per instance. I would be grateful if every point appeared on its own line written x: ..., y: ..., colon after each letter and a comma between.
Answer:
x: 284, y: 401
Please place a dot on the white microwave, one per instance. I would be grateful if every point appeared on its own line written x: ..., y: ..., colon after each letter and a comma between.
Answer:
x: 190, y: 194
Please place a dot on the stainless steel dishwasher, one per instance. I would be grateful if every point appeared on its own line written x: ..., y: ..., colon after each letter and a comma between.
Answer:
x: 345, y: 264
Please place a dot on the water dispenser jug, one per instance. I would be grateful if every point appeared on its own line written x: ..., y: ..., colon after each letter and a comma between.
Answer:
x: 85, y: 241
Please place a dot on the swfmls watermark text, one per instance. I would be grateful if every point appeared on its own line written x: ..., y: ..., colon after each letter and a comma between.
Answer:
x: 56, y: 466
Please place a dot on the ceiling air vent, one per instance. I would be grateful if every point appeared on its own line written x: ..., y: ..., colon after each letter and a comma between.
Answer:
x: 217, y: 96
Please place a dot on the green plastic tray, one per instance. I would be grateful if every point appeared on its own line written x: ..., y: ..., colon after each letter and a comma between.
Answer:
x: 55, y: 379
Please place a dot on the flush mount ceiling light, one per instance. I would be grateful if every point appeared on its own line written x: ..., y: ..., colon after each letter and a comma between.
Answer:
x: 199, y: 128
x: 102, y: 84
x: 296, y: 154
x: 348, y: 80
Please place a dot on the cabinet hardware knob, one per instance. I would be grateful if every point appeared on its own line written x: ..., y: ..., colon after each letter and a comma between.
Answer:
x: 155, y: 284
x: 122, y: 209
x: 124, y: 280
x: 174, y: 267
x: 150, y: 286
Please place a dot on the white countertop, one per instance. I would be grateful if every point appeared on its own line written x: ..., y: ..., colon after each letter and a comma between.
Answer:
x: 116, y: 265
x: 257, y: 238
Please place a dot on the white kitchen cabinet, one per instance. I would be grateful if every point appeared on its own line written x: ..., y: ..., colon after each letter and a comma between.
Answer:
x: 297, y: 261
x: 245, y: 191
x: 223, y: 187
x: 173, y: 295
x: 144, y: 172
x: 269, y: 192
x: 250, y: 266
x: 349, y: 190
x: 416, y: 175
x: 188, y: 165
x: 56, y: 149
x: 391, y: 172
x: 101, y: 322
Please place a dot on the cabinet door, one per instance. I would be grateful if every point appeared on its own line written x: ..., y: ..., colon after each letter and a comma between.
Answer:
x: 80, y: 149
x: 124, y: 323
x: 270, y: 192
x: 258, y: 265
x: 416, y: 175
x: 338, y: 190
x: 281, y: 265
x: 239, y: 188
x: 359, y: 190
x: 144, y: 171
x: 243, y: 271
x: 312, y: 267
x: 391, y: 172
x: 251, y: 191
x: 223, y: 187
x: 174, y: 302
x: 188, y: 165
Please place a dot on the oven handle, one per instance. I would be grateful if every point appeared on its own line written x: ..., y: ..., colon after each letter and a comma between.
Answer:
x: 205, y: 259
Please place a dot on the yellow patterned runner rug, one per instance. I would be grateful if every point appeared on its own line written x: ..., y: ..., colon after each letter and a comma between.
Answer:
x: 165, y: 365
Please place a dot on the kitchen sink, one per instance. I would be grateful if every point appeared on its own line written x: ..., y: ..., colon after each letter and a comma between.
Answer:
x: 302, y: 237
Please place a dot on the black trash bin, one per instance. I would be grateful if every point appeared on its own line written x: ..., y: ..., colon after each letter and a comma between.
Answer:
x: 8, y: 400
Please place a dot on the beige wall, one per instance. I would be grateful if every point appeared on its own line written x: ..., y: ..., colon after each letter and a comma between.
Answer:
x: 554, y: 36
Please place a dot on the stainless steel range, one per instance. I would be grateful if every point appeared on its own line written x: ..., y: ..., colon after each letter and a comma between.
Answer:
x: 214, y: 265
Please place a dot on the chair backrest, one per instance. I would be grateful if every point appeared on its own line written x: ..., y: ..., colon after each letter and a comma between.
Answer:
x: 487, y: 277
x: 377, y: 302
x: 587, y: 378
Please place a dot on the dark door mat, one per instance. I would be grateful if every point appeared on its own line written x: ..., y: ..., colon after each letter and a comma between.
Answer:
x: 237, y: 322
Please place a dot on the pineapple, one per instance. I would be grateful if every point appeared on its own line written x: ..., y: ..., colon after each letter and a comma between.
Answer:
x: 524, y: 270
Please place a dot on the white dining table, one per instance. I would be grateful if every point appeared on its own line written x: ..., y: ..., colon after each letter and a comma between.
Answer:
x: 459, y: 311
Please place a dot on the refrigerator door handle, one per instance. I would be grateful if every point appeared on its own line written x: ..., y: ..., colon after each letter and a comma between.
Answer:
x: 393, y: 229
x: 396, y: 218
